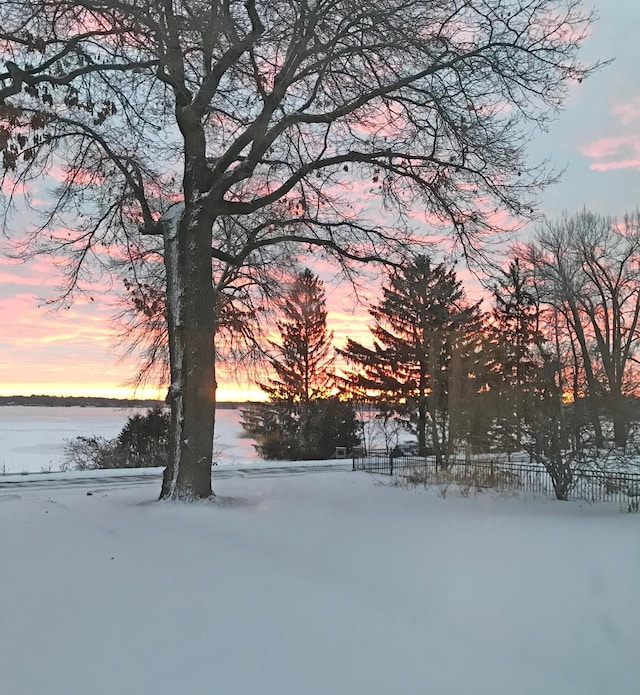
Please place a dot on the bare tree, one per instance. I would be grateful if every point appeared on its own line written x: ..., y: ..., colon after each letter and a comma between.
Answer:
x: 546, y: 440
x: 246, y: 297
x: 589, y: 267
x: 610, y: 257
x: 230, y: 107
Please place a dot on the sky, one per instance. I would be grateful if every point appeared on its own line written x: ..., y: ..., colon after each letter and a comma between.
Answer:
x: 595, y: 140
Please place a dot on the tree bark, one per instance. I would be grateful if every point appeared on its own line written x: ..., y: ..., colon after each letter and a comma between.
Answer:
x: 191, y: 321
x: 592, y: 382
x: 618, y: 409
x: 434, y: 398
x: 422, y: 425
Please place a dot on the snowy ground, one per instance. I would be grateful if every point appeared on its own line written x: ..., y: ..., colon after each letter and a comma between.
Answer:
x: 327, y: 584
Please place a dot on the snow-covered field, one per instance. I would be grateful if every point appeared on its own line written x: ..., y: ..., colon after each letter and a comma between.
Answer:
x: 301, y: 581
x: 32, y: 438
x: 315, y: 584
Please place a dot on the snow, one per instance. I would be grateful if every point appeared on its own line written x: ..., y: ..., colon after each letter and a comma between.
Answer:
x: 173, y: 214
x: 300, y: 579
x: 331, y: 582
x: 175, y: 285
x: 32, y: 438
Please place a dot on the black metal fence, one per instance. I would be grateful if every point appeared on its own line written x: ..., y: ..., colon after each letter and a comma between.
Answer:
x: 501, y: 472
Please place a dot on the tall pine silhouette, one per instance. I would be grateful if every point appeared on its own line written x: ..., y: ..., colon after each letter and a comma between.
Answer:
x: 303, y: 358
x: 419, y: 340
x: 302, y: 420
x: 515, y: 353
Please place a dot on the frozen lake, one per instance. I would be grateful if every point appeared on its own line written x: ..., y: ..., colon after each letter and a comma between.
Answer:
x: 32, y: 438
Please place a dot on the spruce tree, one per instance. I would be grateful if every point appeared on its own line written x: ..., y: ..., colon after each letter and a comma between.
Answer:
x: 302, y: 359
x: 422, y: 319
x: 516, y: 348
x: 302, y: 420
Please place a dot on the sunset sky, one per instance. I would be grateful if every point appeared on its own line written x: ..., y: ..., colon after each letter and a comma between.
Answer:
x: 596, y: 138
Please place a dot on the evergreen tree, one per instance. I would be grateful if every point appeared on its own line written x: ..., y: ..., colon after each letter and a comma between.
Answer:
x: 514, y: 345
x: 303, y: 357
x: 144, y: 440
x: 302, y: 421
x: 421, y: 322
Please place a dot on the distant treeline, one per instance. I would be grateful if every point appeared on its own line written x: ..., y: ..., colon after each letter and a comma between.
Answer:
x: 92, y: 402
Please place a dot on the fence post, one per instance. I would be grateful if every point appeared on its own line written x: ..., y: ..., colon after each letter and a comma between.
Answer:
x: 391, y: 463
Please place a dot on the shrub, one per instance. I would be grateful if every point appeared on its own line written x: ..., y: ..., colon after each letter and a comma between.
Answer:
x: 142, y: 442
x: 302, y: 431
x: 88, y: 453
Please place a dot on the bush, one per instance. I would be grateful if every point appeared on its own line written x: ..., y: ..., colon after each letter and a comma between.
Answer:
x: 327, y: 424
x: 143, y: 442
x: 302, y: 431
x: 88, y: 453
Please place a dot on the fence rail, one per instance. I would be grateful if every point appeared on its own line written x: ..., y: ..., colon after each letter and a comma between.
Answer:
x: 501, y: 472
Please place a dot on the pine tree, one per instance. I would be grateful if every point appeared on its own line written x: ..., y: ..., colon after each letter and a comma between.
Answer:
x: 302, y: 420
x: 516, y: 341
x: 303, y: 358
x: 420, y: 322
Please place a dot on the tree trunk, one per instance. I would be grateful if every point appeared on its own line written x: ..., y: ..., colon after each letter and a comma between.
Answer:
x: 620, y: 419
x: 433, y: 402
x: 561, y: 477
x: 422, y: 426
x: 191, y: 322
x: 435, y: 439
x: 592, y: 382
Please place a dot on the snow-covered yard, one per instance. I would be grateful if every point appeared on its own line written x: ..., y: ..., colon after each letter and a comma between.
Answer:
x: 323, y: 583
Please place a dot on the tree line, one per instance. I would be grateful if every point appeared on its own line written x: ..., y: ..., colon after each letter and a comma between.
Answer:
x: 550, y: 368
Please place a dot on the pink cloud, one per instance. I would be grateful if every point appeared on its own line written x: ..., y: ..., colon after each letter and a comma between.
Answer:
x: 605, y: 147
x: 610, y: 166
x: 63, y: 352
x: 43, y: 274
x: 38, y: 272
x: 12, y: 187
x: 80, y: 176
x: 616, y: 152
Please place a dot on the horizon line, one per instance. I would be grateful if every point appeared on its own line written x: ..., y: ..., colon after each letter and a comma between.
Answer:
x: 104, y: 398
